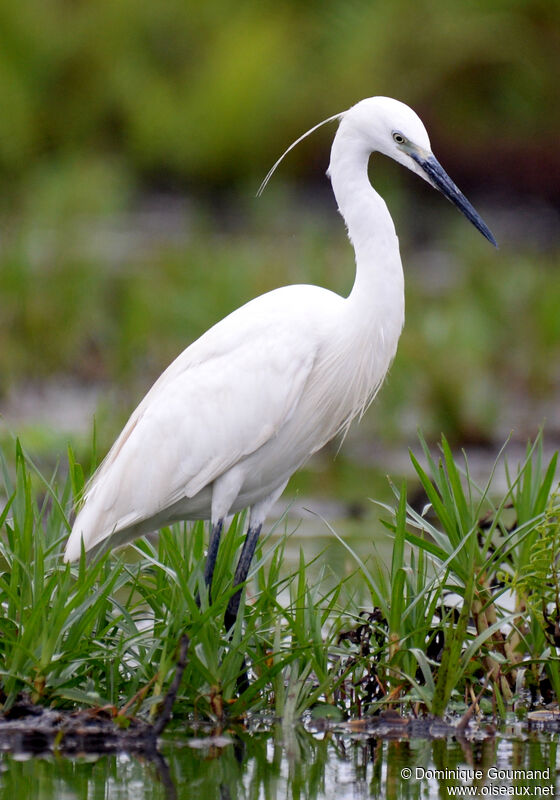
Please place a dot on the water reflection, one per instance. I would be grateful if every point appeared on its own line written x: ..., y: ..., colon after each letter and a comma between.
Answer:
x: 290, y: 763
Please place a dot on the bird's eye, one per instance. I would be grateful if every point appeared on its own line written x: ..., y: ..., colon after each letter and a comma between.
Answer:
x: 398, y: 137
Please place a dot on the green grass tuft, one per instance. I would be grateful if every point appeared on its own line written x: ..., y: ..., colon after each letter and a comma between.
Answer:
x: 106, y: 633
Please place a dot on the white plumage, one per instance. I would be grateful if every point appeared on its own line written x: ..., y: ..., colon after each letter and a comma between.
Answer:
x: 244, y: 406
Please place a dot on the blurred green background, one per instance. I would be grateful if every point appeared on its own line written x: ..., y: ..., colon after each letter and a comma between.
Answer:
x: 133, y: 137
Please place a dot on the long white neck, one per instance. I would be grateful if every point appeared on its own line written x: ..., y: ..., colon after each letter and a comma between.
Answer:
x: 379, y: 277
x: 374, y: 310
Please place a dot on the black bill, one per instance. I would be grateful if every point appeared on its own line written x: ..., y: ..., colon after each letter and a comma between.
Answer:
x: 441, y: 180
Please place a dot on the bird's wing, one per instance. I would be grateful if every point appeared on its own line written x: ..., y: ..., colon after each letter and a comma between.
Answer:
x: 219, y: 401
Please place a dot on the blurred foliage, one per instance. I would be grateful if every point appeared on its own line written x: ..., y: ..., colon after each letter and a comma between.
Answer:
x: 210, y: 92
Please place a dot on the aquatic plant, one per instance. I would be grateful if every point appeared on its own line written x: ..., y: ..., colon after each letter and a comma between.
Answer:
x: 430, y: 631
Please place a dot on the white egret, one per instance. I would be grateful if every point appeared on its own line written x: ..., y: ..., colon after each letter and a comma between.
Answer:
x: 244, y: 406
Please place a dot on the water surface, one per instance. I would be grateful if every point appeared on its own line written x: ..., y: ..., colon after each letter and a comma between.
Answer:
x: 292, y: 763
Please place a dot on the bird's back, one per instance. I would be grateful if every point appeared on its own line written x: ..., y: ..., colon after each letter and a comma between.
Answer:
x: 224, y: 398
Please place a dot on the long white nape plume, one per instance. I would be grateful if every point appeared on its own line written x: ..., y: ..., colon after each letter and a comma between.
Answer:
x: 293, y: 144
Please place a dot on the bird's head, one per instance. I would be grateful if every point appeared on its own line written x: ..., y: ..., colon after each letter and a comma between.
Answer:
x: 390, y: 127
x: 384, y: 125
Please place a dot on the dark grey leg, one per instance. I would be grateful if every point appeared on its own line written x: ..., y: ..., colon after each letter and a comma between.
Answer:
x: 241, y: 572
x: 213, y: 546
